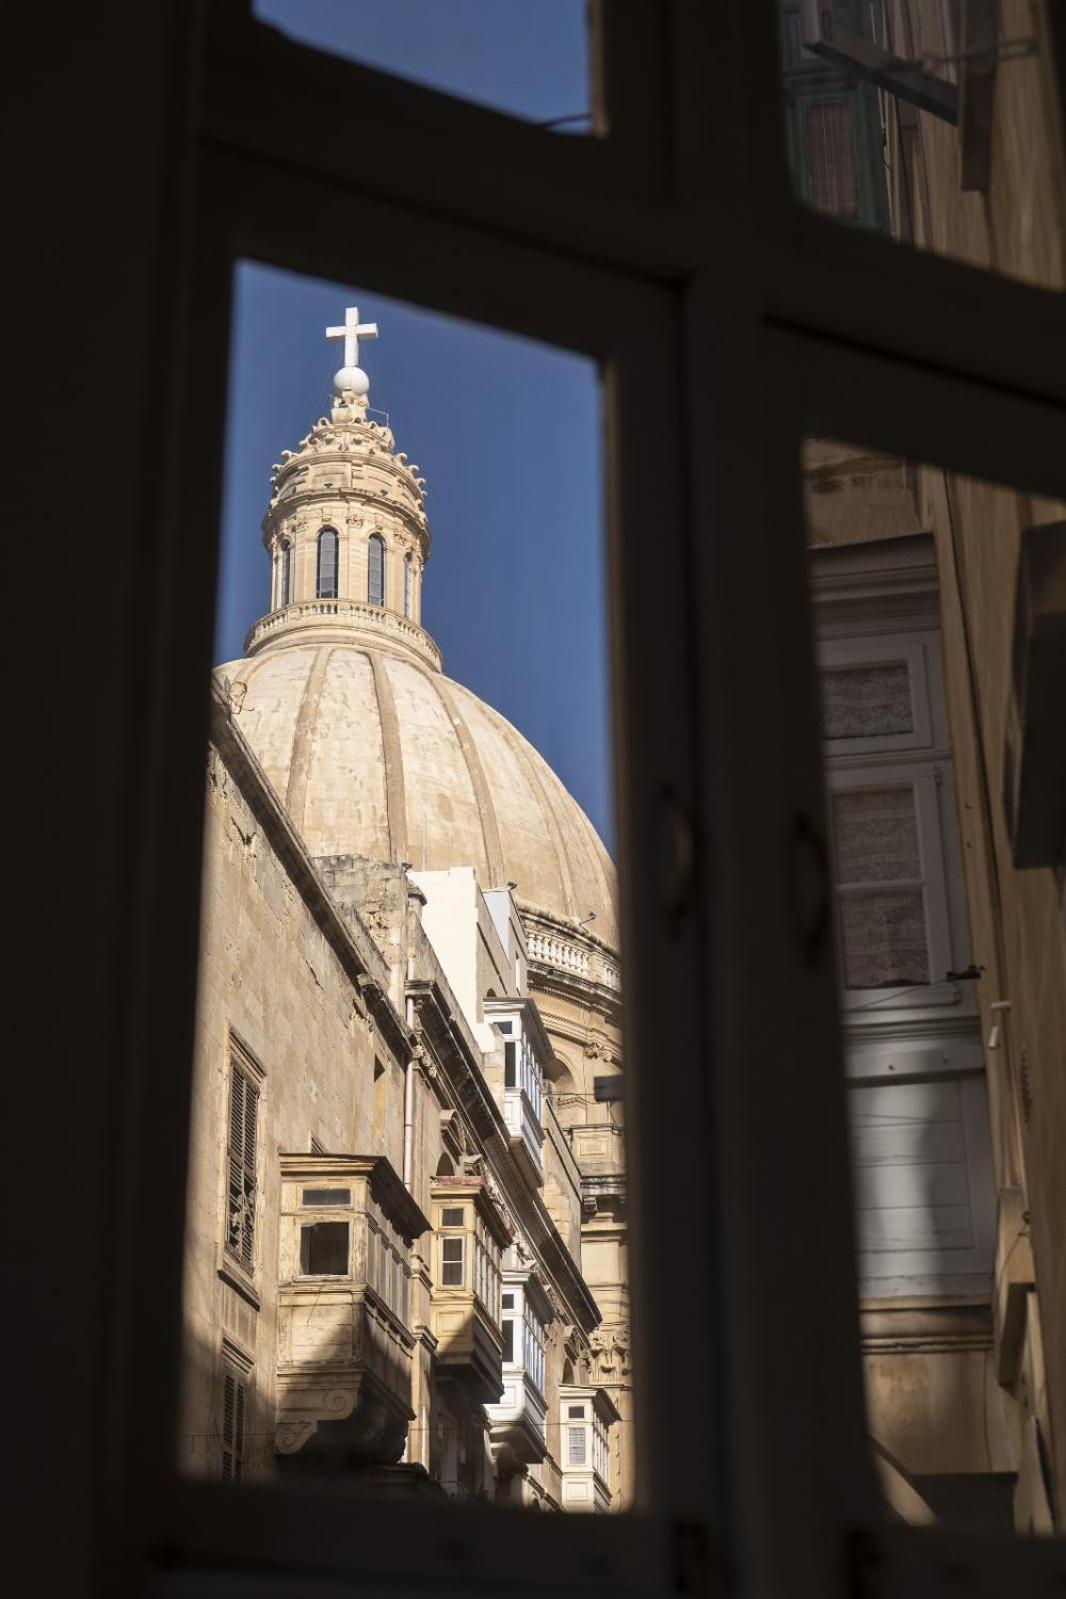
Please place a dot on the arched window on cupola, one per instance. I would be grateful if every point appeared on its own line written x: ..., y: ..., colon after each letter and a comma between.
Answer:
x: 284, y: 594
x: 408, y: 587
x: 326, y: 569
x: 375, y: 587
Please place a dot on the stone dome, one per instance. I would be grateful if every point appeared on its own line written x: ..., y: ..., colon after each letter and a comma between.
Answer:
x: 376, y: 753
x: 372, y: 750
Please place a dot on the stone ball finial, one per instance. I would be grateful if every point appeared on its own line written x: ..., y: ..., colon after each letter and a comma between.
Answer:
x: 351, y: 380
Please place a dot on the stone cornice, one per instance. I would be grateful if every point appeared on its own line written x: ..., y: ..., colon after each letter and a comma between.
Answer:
x: 282, y: 510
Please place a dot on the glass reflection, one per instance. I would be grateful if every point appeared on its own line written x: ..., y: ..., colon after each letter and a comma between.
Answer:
x: 935, y: 122
x: 943, y: 765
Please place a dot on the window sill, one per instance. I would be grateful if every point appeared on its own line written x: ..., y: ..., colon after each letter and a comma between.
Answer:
x: 238, y: 1279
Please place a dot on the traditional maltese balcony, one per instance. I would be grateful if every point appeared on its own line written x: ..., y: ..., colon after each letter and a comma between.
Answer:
x: 586, y: 1416
x: 527, y: 1135
x: 345, y: 1345
x: 518, y: 1421
x: 471, y: 1234
x: 526, y: 1049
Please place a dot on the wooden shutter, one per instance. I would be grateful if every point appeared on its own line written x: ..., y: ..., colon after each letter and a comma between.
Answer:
x: 234, y: 1408
x: 241, y: 1188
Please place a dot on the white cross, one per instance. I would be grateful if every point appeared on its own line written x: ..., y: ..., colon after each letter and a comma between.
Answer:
x: 352, y: 331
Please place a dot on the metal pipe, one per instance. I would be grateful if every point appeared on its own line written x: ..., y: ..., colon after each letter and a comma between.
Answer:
x: 409, y: 1100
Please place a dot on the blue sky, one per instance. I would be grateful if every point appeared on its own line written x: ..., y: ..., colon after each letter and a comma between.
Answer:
x: 528, y: 57
x: 507, y: 434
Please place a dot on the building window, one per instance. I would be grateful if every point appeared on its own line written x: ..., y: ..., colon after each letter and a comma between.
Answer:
x: 241, y: 1165
x: 234, y: 1421
x: 453, y: 1216
x: 408, y: 587
x: 487, y: 1269
x: 326, y: 570
x: 451, y: 1262
x: 324, y: 1249
x: 832, y: 176
x: 533, y: 1347
x: 326, y: 1196
x: 867, y: 702
x: 521, y: 1070
x: 508, y: 1339
x: 880, y: 889
x: 376, y: 570
x: 285, y: 573
x: 575, y: 1446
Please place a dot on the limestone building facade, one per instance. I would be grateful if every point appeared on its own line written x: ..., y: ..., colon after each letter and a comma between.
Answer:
x: 406, y: 1252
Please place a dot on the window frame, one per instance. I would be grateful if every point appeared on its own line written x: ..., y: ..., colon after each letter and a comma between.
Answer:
x: 461, y: 1262
x: 320, y: 592
x: 305, y: 1226
x: 885, y: 650
x: 241, y: 1063
x: 376, y: 543
x: 925, y: 780
x: 236, y: 1369
x: 745, y: 347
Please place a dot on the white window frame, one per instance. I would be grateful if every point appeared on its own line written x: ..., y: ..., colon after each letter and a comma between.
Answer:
x: 903, y: 648
x: 925, y: 781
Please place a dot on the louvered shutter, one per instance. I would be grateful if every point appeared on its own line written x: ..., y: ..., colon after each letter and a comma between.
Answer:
x: 243, y: 1117
x: 234, y: 1400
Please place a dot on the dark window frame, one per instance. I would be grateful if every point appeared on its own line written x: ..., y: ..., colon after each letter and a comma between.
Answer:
x: 781, y: 325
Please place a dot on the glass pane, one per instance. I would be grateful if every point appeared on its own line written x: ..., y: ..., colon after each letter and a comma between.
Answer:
x: 448, y: 829
x: 531, y: 61
x: 931, y: 121
x: 934, y: 597
x: 884, y: 939
x: 327, y: 1196
x: 866, y: 702
x: 875, y: 836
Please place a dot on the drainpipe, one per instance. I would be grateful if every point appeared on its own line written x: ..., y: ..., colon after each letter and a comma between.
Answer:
x: 409, y: 1094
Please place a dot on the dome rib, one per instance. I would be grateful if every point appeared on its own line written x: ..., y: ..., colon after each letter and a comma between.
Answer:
x: 303, y: 741
x: 589, y: 841
x: 395, y: 785
x: 490, y: 827
x: 361, y: 743
x: 552, y: 830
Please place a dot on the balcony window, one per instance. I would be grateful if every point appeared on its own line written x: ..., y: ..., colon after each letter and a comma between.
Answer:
x: 452, y: 1251
x: 466, y: 1293
x: 318, y: 1197
x: 585, y: 1418
x: 324, y: 1249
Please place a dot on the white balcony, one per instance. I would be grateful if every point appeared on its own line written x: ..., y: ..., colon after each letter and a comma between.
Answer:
x: 527, y: 1135
x: 518, y: 1421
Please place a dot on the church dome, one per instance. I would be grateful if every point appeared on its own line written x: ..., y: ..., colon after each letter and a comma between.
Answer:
x: 375, y: 753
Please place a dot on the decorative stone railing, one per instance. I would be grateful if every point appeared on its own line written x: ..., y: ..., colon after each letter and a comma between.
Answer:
x: 309, y: 615
x: 567, y: 955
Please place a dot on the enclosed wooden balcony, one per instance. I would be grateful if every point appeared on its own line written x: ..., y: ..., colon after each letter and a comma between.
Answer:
x: 471, y: 1234
x: 344, y: 1340
x: 519, y: 1418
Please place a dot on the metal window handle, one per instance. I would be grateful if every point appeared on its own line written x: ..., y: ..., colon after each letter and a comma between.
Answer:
x: 809, y: 890
x: 677, y: 853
